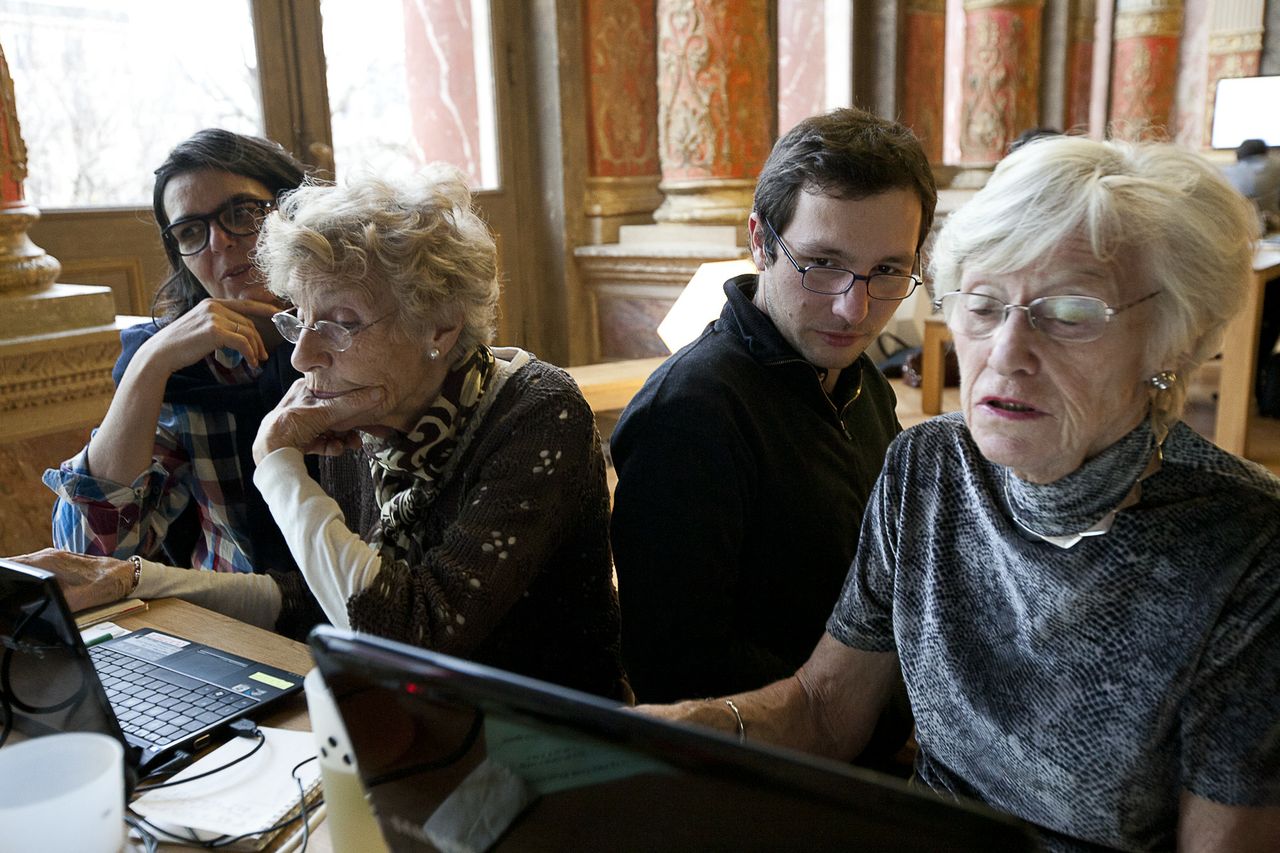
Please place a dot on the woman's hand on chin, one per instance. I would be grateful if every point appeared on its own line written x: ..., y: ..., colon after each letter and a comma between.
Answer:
x: 212, y: 324
x: 86, y: 581
x: 313, y: 424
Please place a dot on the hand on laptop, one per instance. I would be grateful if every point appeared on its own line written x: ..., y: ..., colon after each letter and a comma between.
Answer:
x: 86, y: 581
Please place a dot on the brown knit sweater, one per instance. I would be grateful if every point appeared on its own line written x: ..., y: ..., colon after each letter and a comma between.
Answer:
x: 512, y: 566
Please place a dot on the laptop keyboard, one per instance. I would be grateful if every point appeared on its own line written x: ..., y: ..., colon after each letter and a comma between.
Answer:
x: 157, y: 705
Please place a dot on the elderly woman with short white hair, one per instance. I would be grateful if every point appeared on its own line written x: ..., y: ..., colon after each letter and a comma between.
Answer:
x: 1081, y: 593
x: 492, y: 542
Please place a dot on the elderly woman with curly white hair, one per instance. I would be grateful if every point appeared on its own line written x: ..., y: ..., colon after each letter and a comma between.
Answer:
x: 1081, y: 593
x: 491, y: 536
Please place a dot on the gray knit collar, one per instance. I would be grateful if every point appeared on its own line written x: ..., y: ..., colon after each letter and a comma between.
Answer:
x: 1084, y: 502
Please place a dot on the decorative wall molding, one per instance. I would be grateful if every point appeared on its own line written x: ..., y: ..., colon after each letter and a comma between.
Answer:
x: 56, y: 382
x: 1240, y: 41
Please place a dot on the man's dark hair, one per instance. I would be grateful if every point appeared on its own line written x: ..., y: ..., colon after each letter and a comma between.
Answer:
x: 1031, y: 134
x: 213, y: 148
x: 1251, y: 148
x: 846, y: 153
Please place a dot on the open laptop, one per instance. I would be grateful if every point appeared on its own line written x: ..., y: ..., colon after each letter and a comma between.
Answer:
x: 154, y: 692
x: 454, y: 756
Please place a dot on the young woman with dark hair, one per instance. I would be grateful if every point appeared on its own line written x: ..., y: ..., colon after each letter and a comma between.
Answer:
x: 168, y: 473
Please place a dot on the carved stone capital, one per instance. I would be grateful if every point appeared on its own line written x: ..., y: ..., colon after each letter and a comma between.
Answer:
x: 622, y: 196
x: 974, y: 5
x: 1239, y: 41
x: 719, y: 201
x: 1156, y: 20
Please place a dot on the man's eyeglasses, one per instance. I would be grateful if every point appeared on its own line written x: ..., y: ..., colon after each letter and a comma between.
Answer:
x: 1074, y: 319
x: 238, y: 217
x: 338, y: 336
x: 833, y: 281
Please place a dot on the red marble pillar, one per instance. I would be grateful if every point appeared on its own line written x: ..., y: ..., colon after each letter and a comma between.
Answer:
x: 440, y: 70
x: 622, y: 114
x: 714, y: 107
x: 25, y: 268
x: 925, y: 23
x: 13, y: 151
x: 1144, y: 67
x: 1001, y: 76
x: 802, y: 62
x: 1080, y: 64
x: 1235, y: 53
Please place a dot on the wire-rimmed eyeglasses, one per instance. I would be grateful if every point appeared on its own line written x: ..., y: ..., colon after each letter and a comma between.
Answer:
x: 833, y: 281
x: 1074, y: 319
x: 338, y: 336
x: 239, y: 217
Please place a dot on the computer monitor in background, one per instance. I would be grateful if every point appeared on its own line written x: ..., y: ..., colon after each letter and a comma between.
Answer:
x: 458, y: 756
x: 1246, y: 108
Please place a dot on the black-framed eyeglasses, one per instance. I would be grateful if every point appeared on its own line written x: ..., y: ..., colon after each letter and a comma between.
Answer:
x: 239, y: 217
x: 1074, y: 319
x: 338, y: 336
x: 833, y: 281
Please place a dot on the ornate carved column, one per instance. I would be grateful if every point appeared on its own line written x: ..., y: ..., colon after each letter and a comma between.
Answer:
x: 58, y: 341
x: 1235, y: 48
x: 925, y: 24
x: 622, y: 115
x: 1144, y: 67
x: 1001, y: 76
x: 714, y: 107
x: 1080, y: 63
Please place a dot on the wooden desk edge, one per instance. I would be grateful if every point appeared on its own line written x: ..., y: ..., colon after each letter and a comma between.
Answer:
x: 609, y: 385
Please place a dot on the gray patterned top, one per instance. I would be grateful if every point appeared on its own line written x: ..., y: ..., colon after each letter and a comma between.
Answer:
x: 1079, y: 689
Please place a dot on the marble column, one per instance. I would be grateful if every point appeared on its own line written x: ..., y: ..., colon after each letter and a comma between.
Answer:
x: 1144, y: 67
x: 1080, y: 63
x: 622, y: 115
x: 1001, y: 76
x: 715, y: 111
x: 802, y: 61
x: 447, y: 120
x: 1235, y: 48
x: 925, y: 24
x: 24, y: 267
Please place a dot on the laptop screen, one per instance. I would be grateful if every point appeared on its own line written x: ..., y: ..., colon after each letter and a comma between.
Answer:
x: 455, y: 755
x: 47, y: 682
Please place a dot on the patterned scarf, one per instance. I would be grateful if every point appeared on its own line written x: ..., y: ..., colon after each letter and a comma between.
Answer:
x: 406, y: 467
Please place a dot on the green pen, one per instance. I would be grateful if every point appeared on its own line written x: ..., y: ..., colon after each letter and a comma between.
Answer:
x: 96, y: 640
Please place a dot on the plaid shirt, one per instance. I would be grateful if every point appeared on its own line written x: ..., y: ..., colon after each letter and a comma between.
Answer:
x: 194, y: 459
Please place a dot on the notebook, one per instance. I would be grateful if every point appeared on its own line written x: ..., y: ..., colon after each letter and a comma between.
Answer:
x: 238, y: 800
x: 155, y: 692
x: 459, y: 756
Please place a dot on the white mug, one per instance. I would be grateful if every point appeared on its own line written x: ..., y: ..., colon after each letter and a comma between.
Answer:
x: 62, y: 793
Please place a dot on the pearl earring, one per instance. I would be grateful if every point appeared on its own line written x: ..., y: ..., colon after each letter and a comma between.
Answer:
x: 1163, y: 380
x: 433, y: 354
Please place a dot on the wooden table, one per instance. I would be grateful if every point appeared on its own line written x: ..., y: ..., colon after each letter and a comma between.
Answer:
x: 933, y: 365
x: 1236, y: 375
x: 195, y: 623
x: 608, y: 386
x: 1240, y: 359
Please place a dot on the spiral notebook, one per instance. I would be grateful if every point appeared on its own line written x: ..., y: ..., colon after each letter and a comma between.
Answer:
x: 242, y: 800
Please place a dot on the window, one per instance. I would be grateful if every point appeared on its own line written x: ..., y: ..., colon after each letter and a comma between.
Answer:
x: 90, y: 74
